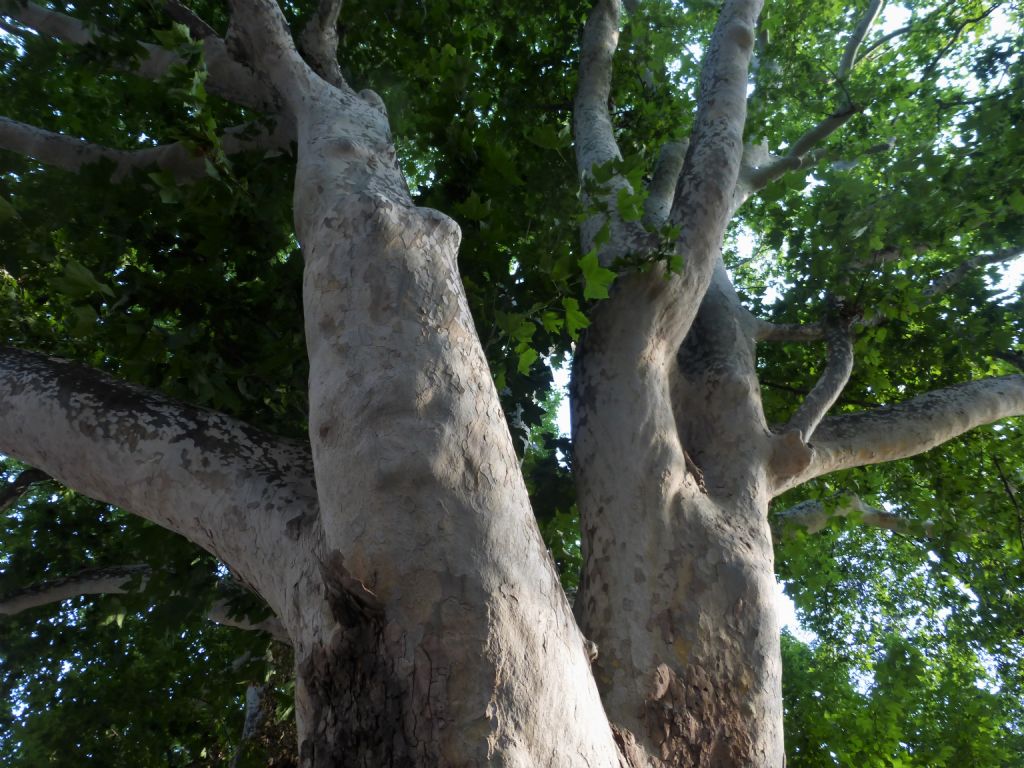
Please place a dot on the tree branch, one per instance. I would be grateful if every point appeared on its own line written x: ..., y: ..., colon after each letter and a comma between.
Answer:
x: 318, y: 42
x: 182, y: 14
x: 46, y: 22
x: 662, y: 189
x: 114, y: 580
x: 253, y: 717
x: 800, y: 153
x: 120, y: 580
x: 592, y: 124
x: 813, y: 516
x: 830, y: 386
x: 707, y: 183
x: 907, y: 429
x: 857, y: 38
x: 72, y: 154
x: 241, y: 494
x: 221, y: 613
x: 261, y: 33
x: 227, y: 77
x: 949, y: 279
x: 804, y: 333
x: 10, y: 492
x: 879, y: 42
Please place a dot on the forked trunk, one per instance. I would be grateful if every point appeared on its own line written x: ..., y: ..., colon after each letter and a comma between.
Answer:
x: 678, y: 586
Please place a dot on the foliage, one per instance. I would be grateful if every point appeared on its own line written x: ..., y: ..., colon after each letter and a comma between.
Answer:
x: 196, y: 291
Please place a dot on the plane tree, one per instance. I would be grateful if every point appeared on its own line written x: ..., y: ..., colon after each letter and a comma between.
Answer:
x: 283, y: 290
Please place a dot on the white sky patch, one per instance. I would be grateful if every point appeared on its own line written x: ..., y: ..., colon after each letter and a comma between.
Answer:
x: 787, y: 616
x: 560, y: 377
x: 1013, y: 276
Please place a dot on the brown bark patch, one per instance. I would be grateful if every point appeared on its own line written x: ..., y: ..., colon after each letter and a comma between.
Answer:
x: 357, y: 703
x: 374, y: 701
x: 694, y: 723
x: 631, y: 754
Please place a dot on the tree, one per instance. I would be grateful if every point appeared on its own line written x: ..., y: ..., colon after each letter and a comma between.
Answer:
x: 374, y: 492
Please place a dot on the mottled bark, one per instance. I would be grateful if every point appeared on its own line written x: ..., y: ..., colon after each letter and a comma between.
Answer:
x: 428, y: 623
x: 678, y: 580
x: 231, y: 489
x: 441, y: 643
x: 678, y: 572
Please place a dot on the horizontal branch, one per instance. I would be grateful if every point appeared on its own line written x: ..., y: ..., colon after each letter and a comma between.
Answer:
x: 947, y: 280
x: 813, y: 516
x: 231, y: 489
x: 120, y: 580
x: 909, y: 428
x: 765, y: 330
x: 184, y: 163
x: 221, y: 613
x: 114, y: 580
x: 228, y: 78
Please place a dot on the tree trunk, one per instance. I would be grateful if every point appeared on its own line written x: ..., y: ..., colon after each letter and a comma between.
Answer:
x: 678, y: 586
x: 441, y: 643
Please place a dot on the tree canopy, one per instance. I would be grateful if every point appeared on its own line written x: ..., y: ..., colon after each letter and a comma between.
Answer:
x: 891, y: 200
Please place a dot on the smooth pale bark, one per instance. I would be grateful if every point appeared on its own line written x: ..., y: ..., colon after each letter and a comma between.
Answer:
x: 829, y: 386
x: 445, y: 643
x: 813, y: 516
x: 906, y: 429
x: 428, y: 623
x: 678, y: 573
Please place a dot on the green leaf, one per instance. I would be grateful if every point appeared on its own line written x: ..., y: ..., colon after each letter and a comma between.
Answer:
x: 7, y: 211
x: 575, y: 320
x: 526, y: 359
x: 597, y: 279
x: 79, y: 282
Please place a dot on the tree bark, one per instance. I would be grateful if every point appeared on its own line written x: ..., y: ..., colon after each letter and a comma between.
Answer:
x: 432, y: 641
x: 678, y: 581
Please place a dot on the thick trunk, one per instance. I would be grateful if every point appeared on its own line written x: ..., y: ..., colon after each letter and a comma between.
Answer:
x: 678, y: 582
x: 440, y: 641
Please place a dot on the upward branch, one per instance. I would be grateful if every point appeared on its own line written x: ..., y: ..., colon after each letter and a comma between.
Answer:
x: 704, y: 194
x: 830, y: 386
x: 801, y: 153
x: 319, y: 42
x: 592, y: 123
